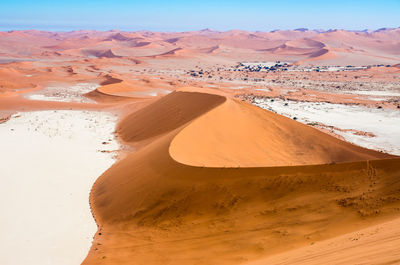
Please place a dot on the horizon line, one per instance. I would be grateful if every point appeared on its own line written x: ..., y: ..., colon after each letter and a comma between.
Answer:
x: 302, y: 29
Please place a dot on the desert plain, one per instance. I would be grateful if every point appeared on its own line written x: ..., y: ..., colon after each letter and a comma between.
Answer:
x: 201, y: 147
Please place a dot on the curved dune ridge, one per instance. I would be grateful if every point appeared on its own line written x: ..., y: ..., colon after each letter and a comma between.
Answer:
x: 12, y: 80
x: 152, y: 209
x: 237, y: 134
x: 114, y: 88
x: 174, y: 52
x: 377, y: 244
x: 167, y: 114
x: 121, y: 89
x: 101, y: 53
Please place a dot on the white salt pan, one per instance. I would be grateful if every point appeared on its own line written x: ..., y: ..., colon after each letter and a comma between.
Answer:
x: 264, y: 89
x: 374, y: 93
x: 49, y: 162
x: 65, y: 93
x: 385, y: 124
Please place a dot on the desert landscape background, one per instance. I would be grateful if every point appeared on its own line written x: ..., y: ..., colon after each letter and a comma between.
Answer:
x: 200, y: 147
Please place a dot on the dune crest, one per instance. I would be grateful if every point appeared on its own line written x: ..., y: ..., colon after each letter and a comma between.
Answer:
x: 102, y: 53
x: 237, y: 134
x: 165, y: 115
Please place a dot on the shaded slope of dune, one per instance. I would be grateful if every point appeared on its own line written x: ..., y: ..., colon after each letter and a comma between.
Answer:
x: 286, y: 49
x: 166, y: 114
x: 101, y: 53
x: 320, y: 55
x: 11, y: 80
x: 378, y: 244
x: 151, y: 209
x: 118, y: 37
x: 323, y: 54
x: 176, y: 52
x: 100, y: 97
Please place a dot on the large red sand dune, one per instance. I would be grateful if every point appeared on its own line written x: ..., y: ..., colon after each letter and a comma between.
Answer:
x: 154, y: 209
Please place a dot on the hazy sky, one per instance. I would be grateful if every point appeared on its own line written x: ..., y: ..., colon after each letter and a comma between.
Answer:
x: 193, y: 15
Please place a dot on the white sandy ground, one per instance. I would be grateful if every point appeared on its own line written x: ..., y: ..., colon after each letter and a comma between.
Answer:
x: 384, y: 124
x: 264, y: 89
x: 65, y: 93
x: 151, y: 93
x: 49, y: 162
x: 374, y: 93
x: 236, y: 87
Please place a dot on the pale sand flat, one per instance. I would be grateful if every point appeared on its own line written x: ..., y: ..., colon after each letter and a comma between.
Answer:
x: 49, y: 162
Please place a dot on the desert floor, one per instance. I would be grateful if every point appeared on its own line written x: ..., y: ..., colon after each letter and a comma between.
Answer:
x: 50, y: 160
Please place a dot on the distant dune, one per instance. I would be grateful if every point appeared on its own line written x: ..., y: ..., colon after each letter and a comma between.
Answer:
x: 118, y: 36
x: 101, y: 53
x: 177, y: 51
x: 357, y: 47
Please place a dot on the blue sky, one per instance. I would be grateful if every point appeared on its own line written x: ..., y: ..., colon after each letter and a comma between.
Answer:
x: 187, y: 15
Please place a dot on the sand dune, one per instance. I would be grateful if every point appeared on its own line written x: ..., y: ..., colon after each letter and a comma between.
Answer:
x: 133, y: 89
x: 177, y: 52
x: 323, y: 54
x: 11, y: 80
x: 285, y: 49
x: 298, y: 47
x: 141, y: 44
x: 306, y: 43
x: 213, y: 49
x: 319, y: 53
x: 118, y: 36
x: 101, y: 53
x: 155, y: 210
